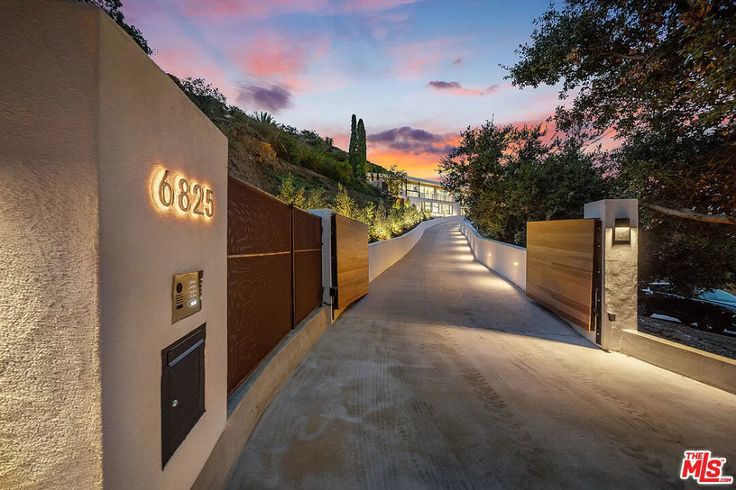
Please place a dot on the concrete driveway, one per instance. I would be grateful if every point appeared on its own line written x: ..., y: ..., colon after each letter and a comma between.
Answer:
x: 446, y: 376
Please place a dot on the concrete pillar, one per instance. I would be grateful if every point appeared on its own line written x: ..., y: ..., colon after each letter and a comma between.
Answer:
x: 620, y: 269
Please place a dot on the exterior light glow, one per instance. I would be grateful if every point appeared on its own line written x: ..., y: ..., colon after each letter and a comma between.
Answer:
x: 180, y: 196
x: 622, y: 231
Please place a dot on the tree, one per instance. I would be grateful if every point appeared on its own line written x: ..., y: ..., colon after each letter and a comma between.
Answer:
x: 362, y: 148
x: 353, y: 145
x: 659, y: 76
x: 506, y: 177
x: 113, y: 8
x: 265, y: 118
x: 344, y: 204
x: 205, y: 96
x: 395, y: 180
x: 292, y: 193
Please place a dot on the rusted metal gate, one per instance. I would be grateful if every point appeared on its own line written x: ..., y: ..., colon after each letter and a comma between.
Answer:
x: 274, y: 274
x: 349, y: 261
x: 563, y: 269
x: 307, y: 263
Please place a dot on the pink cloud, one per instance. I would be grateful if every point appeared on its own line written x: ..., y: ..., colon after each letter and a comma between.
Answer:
x: 263, y: 8
x: 181, y: 56
x: 414, y: 59
x: 252, y: 8
x: 272, y: 55
x: 277, y: 57
x: 374, y: 5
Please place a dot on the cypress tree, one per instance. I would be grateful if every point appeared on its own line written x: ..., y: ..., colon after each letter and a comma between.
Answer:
x: 362, y: 149
x: 353, y: 147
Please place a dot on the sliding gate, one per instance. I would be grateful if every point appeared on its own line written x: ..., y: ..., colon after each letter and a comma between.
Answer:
x: 564, y: 269
x: 274, y: 274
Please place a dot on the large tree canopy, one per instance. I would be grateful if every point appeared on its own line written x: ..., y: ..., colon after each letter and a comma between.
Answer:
x: 659, y: 76
x: 638, y: 64
x: 653, y: 73
x: 506, y: 176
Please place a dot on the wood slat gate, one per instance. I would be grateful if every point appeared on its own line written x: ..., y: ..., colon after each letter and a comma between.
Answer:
x: 274, y: 274
x: 349, y: 261
x: 563, y: 268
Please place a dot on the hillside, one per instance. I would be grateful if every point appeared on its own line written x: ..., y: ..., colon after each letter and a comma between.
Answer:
x: 264, y: 153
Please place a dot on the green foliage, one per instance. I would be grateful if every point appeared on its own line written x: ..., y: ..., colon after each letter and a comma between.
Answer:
x: 637, y: 64
x: 362, y: 148
x: 344, y: 203
x: 358, y: 149
x: 113, y: 8
x: 506, y: 176
x: 395, y: 180
x: 382, y: 224
x: 306, y: 148
x: 265, y: 118
x: 659, y: 75
x: 205, y: 96
x: 300, y: 197
x: 353, y: 145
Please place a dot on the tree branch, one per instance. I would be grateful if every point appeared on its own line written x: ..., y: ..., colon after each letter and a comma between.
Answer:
x: 631, y: 57
x: 723, y: 219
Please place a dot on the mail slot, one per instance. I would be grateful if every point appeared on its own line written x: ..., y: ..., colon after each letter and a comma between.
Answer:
x: 182, y: 390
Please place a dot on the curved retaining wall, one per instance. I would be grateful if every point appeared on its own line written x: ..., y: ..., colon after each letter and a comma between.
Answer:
x: 508, y: 261
x: 384, y: 254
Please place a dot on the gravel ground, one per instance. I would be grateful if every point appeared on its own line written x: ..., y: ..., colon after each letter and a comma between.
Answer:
x: 715, y: 343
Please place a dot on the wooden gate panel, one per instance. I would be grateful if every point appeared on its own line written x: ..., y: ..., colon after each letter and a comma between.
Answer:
x: 350, y: 264
x: 560, y: 268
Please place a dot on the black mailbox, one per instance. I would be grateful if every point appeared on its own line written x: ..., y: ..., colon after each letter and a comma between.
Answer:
x: 182, y: 390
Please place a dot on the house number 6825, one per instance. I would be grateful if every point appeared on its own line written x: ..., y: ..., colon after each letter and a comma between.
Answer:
x: 181, y: 194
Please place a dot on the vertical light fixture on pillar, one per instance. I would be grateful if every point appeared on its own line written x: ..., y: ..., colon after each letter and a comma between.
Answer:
x: 622, y: 231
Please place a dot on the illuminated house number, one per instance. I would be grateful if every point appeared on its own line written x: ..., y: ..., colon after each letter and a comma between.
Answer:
x: 178, y: 193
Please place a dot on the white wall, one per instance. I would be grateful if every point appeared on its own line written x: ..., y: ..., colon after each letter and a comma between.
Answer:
x: 88, y: 261
x: 508, y: 261
x: 50, y: 409
x: 145, y: 121
x: 384, y: 254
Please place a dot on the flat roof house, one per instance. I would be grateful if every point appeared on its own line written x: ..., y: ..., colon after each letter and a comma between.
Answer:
x: 426, y: 195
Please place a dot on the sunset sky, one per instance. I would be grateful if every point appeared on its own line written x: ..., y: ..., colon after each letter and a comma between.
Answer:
x: 416, y: 71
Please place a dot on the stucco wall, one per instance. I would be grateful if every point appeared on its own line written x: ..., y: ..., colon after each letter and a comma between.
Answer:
x: 508, y: 261
x: 88, y: 262
x: 145, y: 121
x: 384, y: 254
x: 620, y: 269
x: 49, y: 364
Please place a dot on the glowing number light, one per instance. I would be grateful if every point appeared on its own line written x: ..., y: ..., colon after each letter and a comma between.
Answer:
x: 181, y: 196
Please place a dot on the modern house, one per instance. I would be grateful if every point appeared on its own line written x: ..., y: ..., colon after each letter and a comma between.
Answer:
x: 426, y: 195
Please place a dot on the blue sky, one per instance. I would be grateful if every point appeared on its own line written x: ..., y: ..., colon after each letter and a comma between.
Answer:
x: 416, y: 71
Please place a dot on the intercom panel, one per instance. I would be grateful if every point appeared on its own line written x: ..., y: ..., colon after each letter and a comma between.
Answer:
x: 186, y: 295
